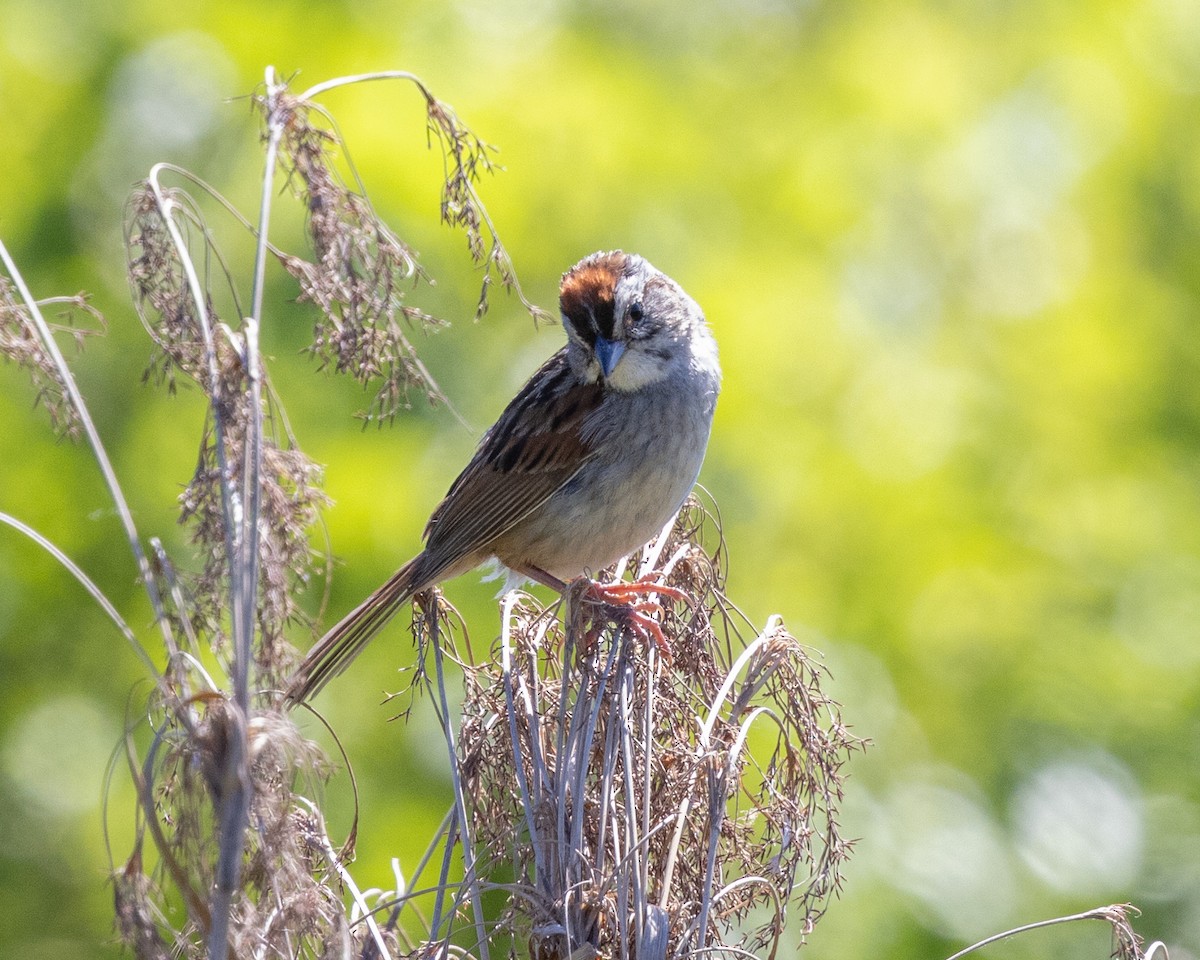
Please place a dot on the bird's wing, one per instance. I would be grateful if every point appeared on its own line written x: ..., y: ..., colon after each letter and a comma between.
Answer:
x: 538, y: 444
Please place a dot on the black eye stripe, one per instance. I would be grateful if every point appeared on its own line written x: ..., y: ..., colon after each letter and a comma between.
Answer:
x: 582, y: 326
x: 605, y: 319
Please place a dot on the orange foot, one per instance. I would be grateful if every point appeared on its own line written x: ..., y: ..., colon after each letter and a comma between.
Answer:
x: 623, y: 596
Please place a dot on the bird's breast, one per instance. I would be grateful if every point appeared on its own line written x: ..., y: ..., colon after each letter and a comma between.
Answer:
x: 647, y: 450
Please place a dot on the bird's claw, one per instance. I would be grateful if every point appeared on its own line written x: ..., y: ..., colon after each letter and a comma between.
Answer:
x: 626, y: 600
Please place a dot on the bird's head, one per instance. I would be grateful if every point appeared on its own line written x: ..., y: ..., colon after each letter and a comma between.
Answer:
x: 627, y: 323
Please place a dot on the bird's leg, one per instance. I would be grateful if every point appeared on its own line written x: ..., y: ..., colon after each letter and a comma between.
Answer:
x: 538, y: 575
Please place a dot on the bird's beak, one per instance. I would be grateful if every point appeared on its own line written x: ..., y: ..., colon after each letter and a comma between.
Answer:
x: 608, y: 352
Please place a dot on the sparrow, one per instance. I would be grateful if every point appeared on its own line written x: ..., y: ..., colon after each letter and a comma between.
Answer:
x: 587, y: 463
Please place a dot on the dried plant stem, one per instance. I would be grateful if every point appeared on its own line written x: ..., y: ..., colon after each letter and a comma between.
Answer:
x: 462, y: 824
x: 243, y: 554
x: 527, y: 714
x: 166, y: 207
x: 640, y: 888
x: 333, y: 858
x: 406, y: 896
x: 97, y: 594
x: 718, y: 790
x: 167, y: 571
x: 1127, y: 946
x: 317, y: 89
x: 93, y: 437
x: 702, y: 745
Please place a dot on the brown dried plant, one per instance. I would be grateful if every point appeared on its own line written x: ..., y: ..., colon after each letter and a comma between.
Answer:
x: 213, y: 357
x: 651, y: 810
x: 20, y: 343
x: 361, y: 270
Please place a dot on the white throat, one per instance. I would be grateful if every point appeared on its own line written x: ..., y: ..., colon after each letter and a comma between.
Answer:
x: 636, y: 370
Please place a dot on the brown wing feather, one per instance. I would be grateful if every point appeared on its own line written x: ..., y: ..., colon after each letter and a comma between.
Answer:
x: 520, y: 462
x: 524, y: 458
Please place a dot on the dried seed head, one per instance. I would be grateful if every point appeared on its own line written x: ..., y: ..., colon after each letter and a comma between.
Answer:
x: 284, y: 906
x: 20, y: 343
x: 359, y: 276
x: 159, y: 285
x: 625, y: 793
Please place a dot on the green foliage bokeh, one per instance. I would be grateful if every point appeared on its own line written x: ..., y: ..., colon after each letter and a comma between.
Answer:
x: 951, y: 252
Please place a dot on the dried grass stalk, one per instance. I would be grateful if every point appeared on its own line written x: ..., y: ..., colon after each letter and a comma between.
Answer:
x: 211, y: 355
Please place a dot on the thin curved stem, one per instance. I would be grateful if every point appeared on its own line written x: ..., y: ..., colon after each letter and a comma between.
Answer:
x: 97, y: 594
x: 93, y: 437
x: 326, y: 85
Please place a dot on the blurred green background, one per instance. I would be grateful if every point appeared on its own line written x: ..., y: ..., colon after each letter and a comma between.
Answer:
x: 951, y: 251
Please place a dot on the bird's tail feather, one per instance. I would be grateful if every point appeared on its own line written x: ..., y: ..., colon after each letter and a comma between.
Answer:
x: 335, y: 651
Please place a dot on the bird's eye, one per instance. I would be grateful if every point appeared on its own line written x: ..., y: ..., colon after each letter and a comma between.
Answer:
x: 635, y: 312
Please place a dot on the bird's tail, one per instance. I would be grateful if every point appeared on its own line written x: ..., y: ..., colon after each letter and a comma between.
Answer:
x: 334, y: 651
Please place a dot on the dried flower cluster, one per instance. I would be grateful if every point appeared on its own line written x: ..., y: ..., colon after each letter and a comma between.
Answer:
x: 20, y: 344
x: 286, y: 906
x: 465, y: 156
x: 358, y: 276
x: 213, y: 356
x: 651, y: 811
x: 361, y: 270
